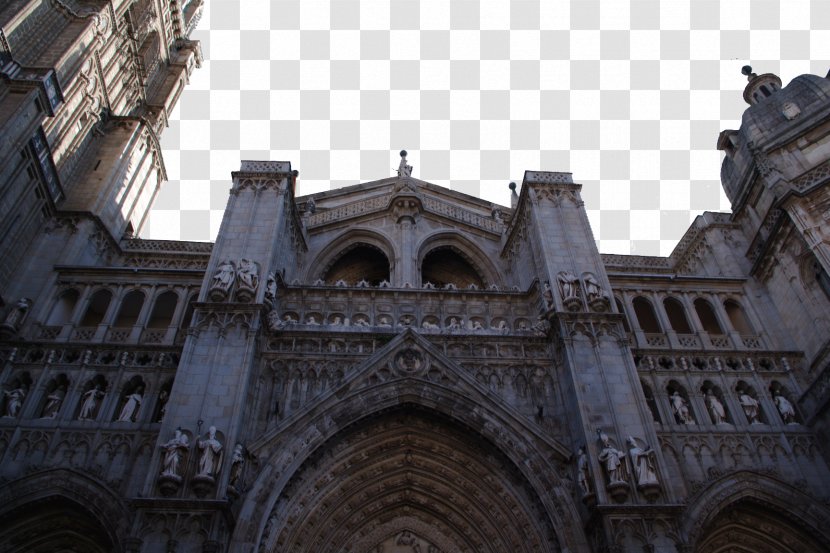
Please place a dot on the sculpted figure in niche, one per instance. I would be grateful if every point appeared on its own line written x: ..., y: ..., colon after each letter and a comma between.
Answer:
x: 223, y: 277
x: 237, y: 464
x: 211, y: 457
x: 131, y: 406
x: 567, y: 284
x: 681, y: 409
x: 644, y: 462
x: 89, y: 404
x: 14, y: 400
x: 248, y: 274
x: 583, y: 470
x: 174, y: 451
x: 715, y: 407
x: 271, y: 287
x: 612, y: 459
x: 592, y: 288
x: 750, y: 406
x: 548, y: 295
x: 785, y: 408
x: 53, y: 403
x: 361, y: 321
x: 164, y: 395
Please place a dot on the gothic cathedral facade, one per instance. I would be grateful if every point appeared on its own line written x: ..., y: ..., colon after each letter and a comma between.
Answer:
x: 391, y: 367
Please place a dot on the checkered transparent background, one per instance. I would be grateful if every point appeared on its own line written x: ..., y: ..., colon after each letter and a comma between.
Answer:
x: 628, y: 95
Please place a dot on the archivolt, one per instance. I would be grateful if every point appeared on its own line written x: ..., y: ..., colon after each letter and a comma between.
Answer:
x: 759, y: 513
x: 345, y: 242
x: 466, y: 249
x: 408, y: 470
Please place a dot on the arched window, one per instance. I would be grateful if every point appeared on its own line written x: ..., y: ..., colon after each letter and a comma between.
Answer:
x: 63, y: 308
x: 129, y: 310
x: 445, y: 265
x: 620, y: 308
x: 737, y: 317
x: 707, y: 316
x: 361, y: 262
x: 98, y: 305
x: 163, y: 310
x: 646, y: 316
x: 677, y: 316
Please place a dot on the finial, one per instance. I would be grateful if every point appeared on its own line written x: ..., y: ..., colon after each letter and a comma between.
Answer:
x: 404, y: 170
x: 746, y: 70
x: 512, y: 186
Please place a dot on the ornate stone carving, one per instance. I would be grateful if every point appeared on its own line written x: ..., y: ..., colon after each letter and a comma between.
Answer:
x: 16, y: 317
x: 131, y: 406
x: 569, y: 290
x: 616, y: 467
x: 644, y: 466
x: 680, y: 407
x: 247, y: 279
x: 222, y: 281
x: 210, y: 461
x: 174, y: 453
x: 597, y: 298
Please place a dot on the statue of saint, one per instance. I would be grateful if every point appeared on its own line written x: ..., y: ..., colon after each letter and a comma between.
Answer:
x: 750, y: 406
x: 613, y: 460
x: 583, y: 470
x: 548, y: 295
x: 174, y: 451
x: 681, y: 409
x: 644, y: 463
x: 53, y: 403
x: 131, y: 406
x: 248, y: 274
x: 89, y: 404
x: 567, y: 284
x: 14, y: 400
x: 237, y: 464
x: 592, y: 288
x: 223, y: 277
x: 211, y: 458
x: 785, y: 408
x: 715, y: 407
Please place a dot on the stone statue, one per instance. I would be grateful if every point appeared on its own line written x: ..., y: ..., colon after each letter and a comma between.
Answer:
x: 750, y: 406
x: 567, y: 284
x: 164, y: 396
x: 592, y: 288
x: 210, y: 460
x: 454, y: 325
x: 274, y: 322
x: 237, y: 464
x: 362, y: 283
x: 681, y: 409
x: 612, y: 459
x: 503, y: 328
x: 715, y: 407
x: 53, y: 403
x: 548, y: 295
x: 174, y: 451
x: 384, y: 322
x: 248, y: 274
x: 223, y: 277
x: 271, y: 287
x: 404, y: 170
x: 89, y: 404
x: 361, y: 321
x: 338, y: 321
x: 583, y: 470
x: 644, y: 463
x: 14, y: 400
x: 131, y: 406
x: 477, y: 326
x: 312, y: 320
x: 785, y: 408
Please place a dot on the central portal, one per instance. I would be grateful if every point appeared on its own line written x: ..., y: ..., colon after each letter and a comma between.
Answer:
x: 408, y: 481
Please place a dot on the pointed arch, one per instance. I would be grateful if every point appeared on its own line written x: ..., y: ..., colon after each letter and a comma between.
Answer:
x: 416, y: 407
x: 745, y: 504
x: 347, y: 241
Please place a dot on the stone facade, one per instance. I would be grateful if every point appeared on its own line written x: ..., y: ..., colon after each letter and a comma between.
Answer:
x: 392, y: 367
